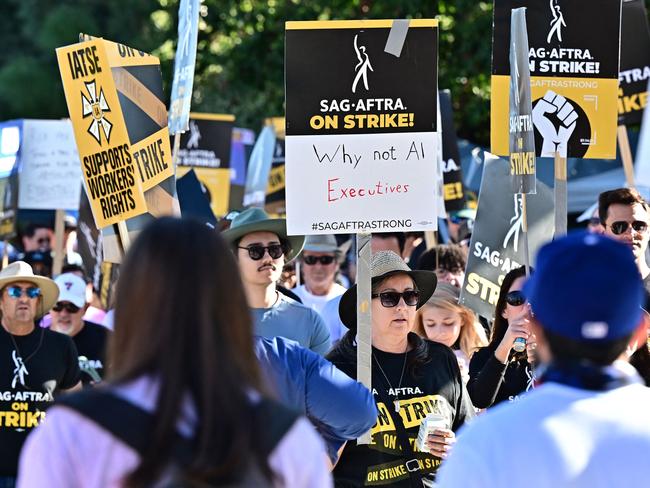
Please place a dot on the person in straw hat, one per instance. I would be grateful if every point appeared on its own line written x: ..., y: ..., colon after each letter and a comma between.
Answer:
x: 261, y: 246
x: 411, y: 378
x: 36, y: 364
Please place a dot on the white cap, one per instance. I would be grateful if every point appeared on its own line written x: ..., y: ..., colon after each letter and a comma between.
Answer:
x: 71, y: 289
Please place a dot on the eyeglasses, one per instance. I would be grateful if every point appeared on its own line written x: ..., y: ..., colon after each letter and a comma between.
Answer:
x: 324, y: 260
x: 392, y: 298
x: 620, y: 227
x: 256, y: 252
x: 67, y: 306
x: 17, y: 292
x: 515, y: 298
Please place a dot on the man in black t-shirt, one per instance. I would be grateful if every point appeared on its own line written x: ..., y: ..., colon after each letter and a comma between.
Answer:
x: 67, y: 318
x: 35, y: 364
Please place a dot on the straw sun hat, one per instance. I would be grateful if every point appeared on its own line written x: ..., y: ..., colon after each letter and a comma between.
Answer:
x: 21, y: 271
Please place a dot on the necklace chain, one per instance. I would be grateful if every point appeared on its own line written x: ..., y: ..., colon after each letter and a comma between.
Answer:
x: 13, y: 340
x: 401, y: 377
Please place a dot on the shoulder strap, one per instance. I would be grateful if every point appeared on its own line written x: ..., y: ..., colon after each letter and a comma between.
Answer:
x: 412, y: 465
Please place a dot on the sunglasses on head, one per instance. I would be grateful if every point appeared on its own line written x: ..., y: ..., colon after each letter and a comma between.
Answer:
x: 391, y: 298
x: 515, y: 298
x: 256, y: 251
x: 67, y: 306
x: 324, y: 260
x: 17, y: 291
x: 621, y: 226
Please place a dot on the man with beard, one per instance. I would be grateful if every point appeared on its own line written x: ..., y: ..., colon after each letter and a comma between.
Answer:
x: 625, y: 216
x: 261, y: 246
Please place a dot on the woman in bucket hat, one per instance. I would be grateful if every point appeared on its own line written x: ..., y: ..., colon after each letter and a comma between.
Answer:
x: 412, y: 378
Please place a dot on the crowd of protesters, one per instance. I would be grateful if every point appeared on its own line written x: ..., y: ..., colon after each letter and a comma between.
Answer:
x: 231, y: 360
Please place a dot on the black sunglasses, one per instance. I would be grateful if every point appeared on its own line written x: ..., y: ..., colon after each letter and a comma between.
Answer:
x: 67, y: 306
x: 620, y: 227
x: 515, y: 298
x: 256, y: 252
x: 324, y: 260
x: 391, y: 298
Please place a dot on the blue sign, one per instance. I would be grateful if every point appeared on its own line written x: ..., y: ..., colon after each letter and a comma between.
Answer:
x: 188, y: 30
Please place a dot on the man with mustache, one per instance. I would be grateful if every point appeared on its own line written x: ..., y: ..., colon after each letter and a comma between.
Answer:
x: 624, y: 215
x: 262, y: 247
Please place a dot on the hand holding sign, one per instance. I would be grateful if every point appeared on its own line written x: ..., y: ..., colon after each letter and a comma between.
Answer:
x: 555, y: 139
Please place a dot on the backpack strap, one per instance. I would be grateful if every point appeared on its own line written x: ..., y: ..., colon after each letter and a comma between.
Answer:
x: 133, y: 425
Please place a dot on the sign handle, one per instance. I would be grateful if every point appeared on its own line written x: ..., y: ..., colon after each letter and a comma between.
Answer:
x: 5, y: 254
x: 59, y: 236
x: 177, y: 146
x: 524, y: 229
x: 364, y: 319
x: 430, y: 239
x: 626, y: 155
x: 124, y: 236
x: 561, y: 209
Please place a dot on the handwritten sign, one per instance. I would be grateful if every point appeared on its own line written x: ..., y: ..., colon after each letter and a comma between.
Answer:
x: 360, y: 122
x: 50, y: 172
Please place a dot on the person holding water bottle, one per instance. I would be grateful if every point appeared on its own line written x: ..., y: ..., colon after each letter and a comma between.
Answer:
x: 504, y: 368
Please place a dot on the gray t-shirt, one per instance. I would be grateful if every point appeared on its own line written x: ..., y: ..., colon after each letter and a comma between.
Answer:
x: 288, y: 318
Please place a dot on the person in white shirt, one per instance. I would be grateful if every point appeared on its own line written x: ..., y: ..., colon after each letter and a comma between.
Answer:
x: 588, y: 424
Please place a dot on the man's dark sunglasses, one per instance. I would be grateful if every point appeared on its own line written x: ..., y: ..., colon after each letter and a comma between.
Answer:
x: 515, y: 298
x: 391, y: 298
x: 324, y: 260
x: 67, y: 306
x: 256, y: 252
x: 620, y: 227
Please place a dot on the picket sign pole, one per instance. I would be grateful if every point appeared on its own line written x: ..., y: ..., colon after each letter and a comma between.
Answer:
x: 177, y: 146
x: 626, y: 155
x: 59, y: 236
x: 524, y: 229
x: 124, y: 235
x: 364, y: 319
x: 430, y: 239
x: 561, y: 208
x: 298, y: 272
x: 5, y: 254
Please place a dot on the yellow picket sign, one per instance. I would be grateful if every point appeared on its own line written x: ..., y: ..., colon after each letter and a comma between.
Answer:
x: 112, y: 182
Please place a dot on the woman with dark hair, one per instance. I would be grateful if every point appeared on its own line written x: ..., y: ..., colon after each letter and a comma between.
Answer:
x: 412, y: 379
x: 497, y: 372
x: 184, y: 405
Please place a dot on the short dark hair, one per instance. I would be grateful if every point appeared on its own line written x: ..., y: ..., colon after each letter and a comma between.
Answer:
x: 623, y: 196
x: 74, y: 268
x: 30, y: 230
x: 450, y: 257
x: 400, y: 236
x: 601, y: 353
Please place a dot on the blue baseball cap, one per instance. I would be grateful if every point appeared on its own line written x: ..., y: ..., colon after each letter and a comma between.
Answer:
x: 586, y: 287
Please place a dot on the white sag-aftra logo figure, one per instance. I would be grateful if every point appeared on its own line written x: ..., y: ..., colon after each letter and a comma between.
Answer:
x: 557, y: 23
x: 362, y: 66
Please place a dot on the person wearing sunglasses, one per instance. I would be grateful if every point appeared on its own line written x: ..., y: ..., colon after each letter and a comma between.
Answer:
x: 319, y: 260
x: 68, y: 318
x: 625, y: 216
x: 36, y: 364
x: 497, y: 372
x: 411, y: 378
x: 262, y: 248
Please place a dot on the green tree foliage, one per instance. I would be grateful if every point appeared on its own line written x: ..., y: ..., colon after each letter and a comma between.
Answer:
x: 240, y: 66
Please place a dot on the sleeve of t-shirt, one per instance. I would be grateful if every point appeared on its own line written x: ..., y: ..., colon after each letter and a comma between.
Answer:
x: 72, y: 374
x: 299, y: 459
x: 485, y: 377
x: 320, y: 339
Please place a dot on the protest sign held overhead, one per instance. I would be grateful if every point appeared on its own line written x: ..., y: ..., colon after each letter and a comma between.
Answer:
x: 497, y: 243
x: 635, y: 63
x: 453, y: 190
x: 50, y: 173
x: 181, y: 99
x: 360, y: 120
x: 107, y: 156
x: 206, y: 148
x: 573, y: 60
x: 522, y: 137
x: 10, y: 140
x: 240, y: 151
x: 259, y: 167
x: 275, y: 190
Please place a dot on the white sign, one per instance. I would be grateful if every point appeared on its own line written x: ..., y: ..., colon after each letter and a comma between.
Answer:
x: 50, y: 171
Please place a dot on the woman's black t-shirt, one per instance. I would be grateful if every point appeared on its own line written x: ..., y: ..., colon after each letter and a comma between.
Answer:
x: 437, y: 388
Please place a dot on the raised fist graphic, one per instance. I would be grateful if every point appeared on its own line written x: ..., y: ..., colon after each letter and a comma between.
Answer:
x: 555, y: 139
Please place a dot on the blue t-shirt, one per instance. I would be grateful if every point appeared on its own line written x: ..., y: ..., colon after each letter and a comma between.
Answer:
x: 288, y: 318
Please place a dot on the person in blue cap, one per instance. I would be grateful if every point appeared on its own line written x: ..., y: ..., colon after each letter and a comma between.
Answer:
x: 588, y: 424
